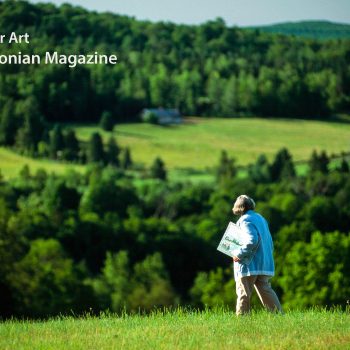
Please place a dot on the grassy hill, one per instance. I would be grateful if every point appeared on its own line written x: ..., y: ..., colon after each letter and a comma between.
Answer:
x: 310, y: 29
x: 197, y: 143
x: 183, y: 330
x: 11, y: 163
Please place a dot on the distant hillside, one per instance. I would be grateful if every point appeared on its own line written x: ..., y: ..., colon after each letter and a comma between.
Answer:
x: 206, y: 70
x: 202, y: 139
x: 310, y: 29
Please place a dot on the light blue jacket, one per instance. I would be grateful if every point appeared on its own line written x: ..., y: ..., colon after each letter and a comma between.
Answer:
x: 255, y: 228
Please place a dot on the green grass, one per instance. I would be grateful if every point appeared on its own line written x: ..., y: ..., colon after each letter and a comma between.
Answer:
x: 183, y: 330
x: 11, y: 164
x: 198, y: 142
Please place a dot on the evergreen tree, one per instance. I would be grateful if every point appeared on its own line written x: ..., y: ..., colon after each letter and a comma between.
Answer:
x: 95, y: 151
x: 25, y: 173
x: 57, y: 198
x: 324, y: 162
x: 227, y: 169
x: 313, y: 162
x: 126, y: 161
x: 288, y: 170
x: 112, y: 153
x: 41, y: 177
x: 319, y: 162
x: 8, y: 123
x: 56, y: 142
x: 259, y: 172
x: 106, y: 121
x: 31, y: 131
x: 158, y: 169
x: 71, y: 146
x: 282, y: 166
x: 344, y: 166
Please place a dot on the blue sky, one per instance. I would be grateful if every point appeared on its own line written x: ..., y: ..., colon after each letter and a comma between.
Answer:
x: 234, y: 12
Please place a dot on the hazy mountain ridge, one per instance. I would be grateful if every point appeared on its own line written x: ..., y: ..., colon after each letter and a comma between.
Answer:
x: 309, y: 29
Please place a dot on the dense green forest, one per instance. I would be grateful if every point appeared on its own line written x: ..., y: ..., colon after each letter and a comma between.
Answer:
x: 100, y: 240
x: 310, y: 29
x: 210, y: 69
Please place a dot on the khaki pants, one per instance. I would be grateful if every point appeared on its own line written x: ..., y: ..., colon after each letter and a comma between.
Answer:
x: 244, y: 289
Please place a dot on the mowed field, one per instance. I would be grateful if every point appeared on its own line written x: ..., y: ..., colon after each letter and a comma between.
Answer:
x: 183, y: 330
x: 11, y: 164
x: 198, y: 142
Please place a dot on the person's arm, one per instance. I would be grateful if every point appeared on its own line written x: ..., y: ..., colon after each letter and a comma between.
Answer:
x: 251, y: 238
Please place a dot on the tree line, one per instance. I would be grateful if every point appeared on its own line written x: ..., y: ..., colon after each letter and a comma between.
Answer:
x: 207, y: 70
x: 104, y: 240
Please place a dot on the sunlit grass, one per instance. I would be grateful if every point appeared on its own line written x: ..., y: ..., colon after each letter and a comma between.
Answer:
x: 198, y: 142
x: 183, y: 329
x: 11, y: 164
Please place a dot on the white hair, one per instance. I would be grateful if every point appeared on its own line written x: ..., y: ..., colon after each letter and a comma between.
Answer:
x: 243, y: 204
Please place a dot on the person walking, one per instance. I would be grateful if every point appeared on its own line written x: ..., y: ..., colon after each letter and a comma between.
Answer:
x: 253, y: 261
